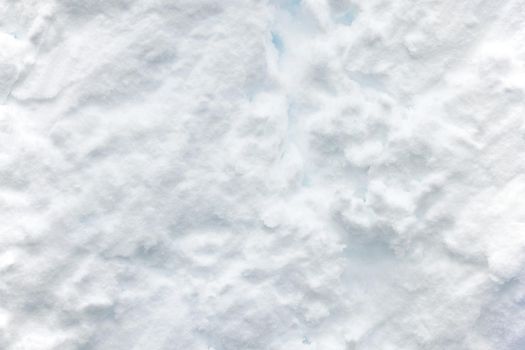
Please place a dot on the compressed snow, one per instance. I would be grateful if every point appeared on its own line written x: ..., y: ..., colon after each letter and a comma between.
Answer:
x: 262, y: 174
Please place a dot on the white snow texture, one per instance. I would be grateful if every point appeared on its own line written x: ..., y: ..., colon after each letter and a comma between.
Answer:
x: 262, y: 174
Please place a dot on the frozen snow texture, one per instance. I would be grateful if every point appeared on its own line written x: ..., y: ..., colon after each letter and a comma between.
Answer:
x: 249, y: 174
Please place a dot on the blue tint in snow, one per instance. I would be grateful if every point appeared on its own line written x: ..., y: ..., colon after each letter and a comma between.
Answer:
x: 291, y: 6
x: 277, y: 42
x: 349, y: 16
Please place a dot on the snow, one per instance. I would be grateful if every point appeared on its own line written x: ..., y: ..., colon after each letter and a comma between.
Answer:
x: 262, y: 174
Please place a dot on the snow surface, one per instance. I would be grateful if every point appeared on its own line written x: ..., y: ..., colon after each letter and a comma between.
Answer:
x: 262, y: 174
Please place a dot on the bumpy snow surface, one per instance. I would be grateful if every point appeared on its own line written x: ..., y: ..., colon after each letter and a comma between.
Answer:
x: 258, y: 174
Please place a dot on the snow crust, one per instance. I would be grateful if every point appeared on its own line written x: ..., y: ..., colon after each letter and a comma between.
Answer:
x: 256, y: 174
